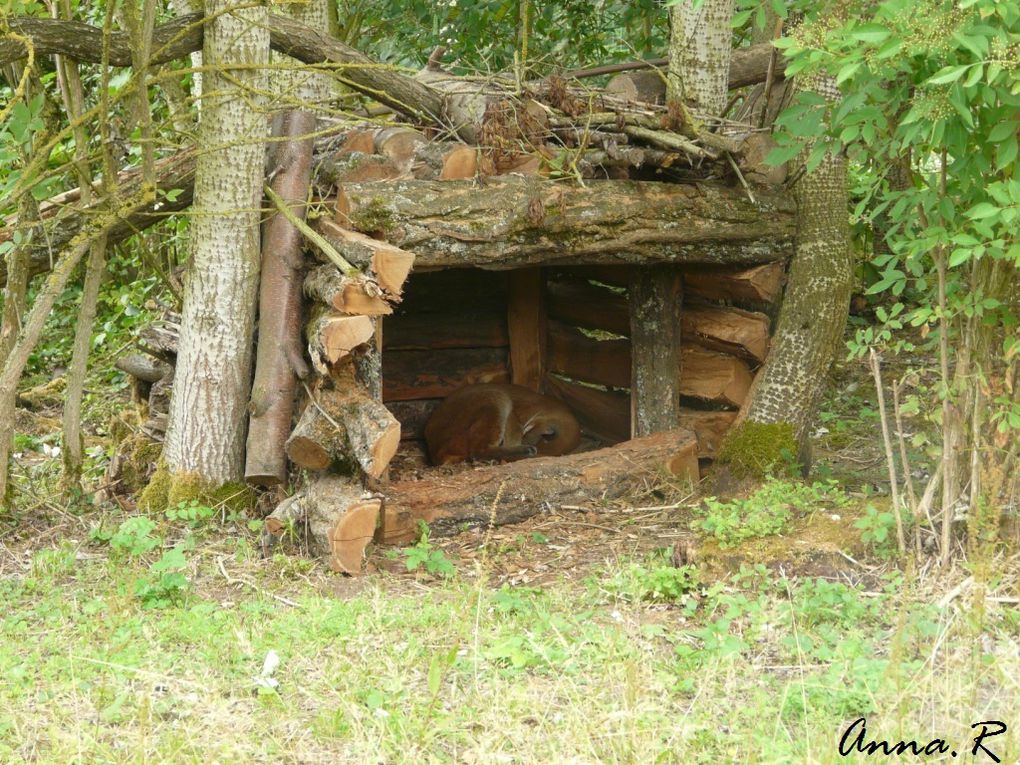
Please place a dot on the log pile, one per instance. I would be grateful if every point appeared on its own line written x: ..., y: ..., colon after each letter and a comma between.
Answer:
x: 390, y: 199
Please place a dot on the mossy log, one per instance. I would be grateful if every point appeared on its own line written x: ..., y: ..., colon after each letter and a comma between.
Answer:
x: 338, y: 517
x: 515, y: 221
x: 512, y: 492
x: 343, y: 424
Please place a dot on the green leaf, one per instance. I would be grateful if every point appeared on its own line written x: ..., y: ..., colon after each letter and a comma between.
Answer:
x: 958, y: 257
x: 1006, y: 153
x: 983, y: 210
x: 782, y: 154
x: 848, y: 71
x: 1003, y: 130
x: 949, y: 74
x: 871, y: 33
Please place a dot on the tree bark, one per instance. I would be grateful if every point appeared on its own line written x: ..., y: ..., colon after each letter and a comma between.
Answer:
x: 448, y: 503
x: 813, y: 315
x: 205, y: 436
x: 518, y: 221
x: 280, y: 357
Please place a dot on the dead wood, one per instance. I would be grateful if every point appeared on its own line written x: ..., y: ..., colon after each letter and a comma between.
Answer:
x: 449, y: 502
x: 279, y: 359
x: 344, y: 425
x: 337, y: 517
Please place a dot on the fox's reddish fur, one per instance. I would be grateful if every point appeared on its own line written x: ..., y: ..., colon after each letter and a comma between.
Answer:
x: 499, y: 422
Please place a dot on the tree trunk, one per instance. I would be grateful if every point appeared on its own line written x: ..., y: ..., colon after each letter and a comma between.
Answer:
x: 656, y: 370
x: 705, y: 43
x: 205, y: 435
x: 813, y: 315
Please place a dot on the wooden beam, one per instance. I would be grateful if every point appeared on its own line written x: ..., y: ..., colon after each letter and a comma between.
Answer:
x: 527, y: 326
x: 655, y: 302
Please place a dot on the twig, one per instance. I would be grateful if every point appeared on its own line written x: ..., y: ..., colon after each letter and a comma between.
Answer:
x: 311, y: 235
x: 893, y: 486
x: 740, y: 177
x: 259, y: 590
x: 905, y: 464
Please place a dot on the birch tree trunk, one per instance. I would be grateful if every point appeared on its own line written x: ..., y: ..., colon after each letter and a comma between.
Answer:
x: 816, y: 302
x: 701, y: 42
x: 205, y: 433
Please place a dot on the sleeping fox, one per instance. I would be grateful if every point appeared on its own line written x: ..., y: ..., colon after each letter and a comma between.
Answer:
x: 495, y: 421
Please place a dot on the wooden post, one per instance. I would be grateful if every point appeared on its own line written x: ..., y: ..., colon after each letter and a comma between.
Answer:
x: 527, y: 325
x: 655, y: 301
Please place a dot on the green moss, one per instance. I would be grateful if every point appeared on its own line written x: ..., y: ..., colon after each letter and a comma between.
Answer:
x: 756, y: 450
x: 375, y: 216
x: 153, y: 498
x: 140, y: 453
x: 166, y: 490
x: 233, y: 496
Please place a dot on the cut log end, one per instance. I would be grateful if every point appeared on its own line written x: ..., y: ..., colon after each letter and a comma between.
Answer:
x: 351, y: 534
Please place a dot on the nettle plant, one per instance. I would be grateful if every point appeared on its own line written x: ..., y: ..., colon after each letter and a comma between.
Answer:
x: 930, y: 110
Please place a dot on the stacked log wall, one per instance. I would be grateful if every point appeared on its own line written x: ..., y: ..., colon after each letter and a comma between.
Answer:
x: 725, y: 336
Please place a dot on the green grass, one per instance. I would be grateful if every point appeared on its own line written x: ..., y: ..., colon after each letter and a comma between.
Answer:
x: 631, y: 665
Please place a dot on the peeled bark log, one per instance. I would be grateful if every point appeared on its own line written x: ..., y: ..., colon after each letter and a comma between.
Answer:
x: 603, y: 414
x: 580, y: 357
x: 279, y: 357
x: 453, y: 330
x: 358, y: 295
x: 448, y: 503
x: 344, y: 424
x: 409, y: 375
x: 730, y: 330
x: 589, y: 306
x: 516, y: 221
x: 338, y: 516
x: 714, y: 377
x: 526, y: 322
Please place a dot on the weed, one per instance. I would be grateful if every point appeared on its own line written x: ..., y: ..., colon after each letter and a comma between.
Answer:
x: 424, y: 555
x: 658, y: 581
x: 768, y: 511
x: 876, y: 530
x: 191, y: 512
